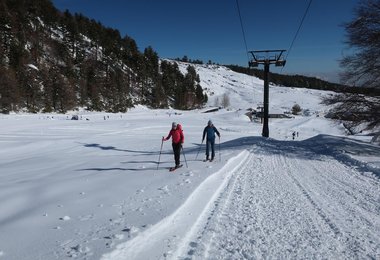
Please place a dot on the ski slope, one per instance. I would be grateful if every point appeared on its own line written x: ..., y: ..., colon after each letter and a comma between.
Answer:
x: 271, y: 204
x: 93, y: 188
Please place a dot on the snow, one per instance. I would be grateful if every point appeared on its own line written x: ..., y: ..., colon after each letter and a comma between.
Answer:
x: 32, y: 66
x: 90, y: 189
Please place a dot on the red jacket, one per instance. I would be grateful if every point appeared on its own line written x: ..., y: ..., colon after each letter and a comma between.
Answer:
x: 176, y: 134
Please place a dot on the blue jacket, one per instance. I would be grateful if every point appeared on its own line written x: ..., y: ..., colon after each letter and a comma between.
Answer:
x: 210, y: 131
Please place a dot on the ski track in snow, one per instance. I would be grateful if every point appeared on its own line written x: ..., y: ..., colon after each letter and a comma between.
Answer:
x: 281, y: 207
x: 276, y: 206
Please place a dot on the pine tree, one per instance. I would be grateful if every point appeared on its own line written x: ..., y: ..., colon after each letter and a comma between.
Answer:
x: 9, y: 96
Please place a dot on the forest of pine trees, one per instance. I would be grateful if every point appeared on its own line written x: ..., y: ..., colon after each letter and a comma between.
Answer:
x: 55, y: 62
x: 300, y: 81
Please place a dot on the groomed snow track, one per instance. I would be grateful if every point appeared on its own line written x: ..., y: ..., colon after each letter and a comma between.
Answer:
x: 270, y: 205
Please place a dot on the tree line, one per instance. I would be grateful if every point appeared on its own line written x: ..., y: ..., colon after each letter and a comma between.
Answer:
x: 300, y: 81
x: 58, y: 61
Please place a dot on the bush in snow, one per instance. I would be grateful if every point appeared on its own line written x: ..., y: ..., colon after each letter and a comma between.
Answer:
x: 296, y: 109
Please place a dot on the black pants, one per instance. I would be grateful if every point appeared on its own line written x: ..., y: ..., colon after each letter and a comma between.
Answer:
x: 177, y: 153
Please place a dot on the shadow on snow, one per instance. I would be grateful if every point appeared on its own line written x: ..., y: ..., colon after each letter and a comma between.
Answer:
x: 315, y: 148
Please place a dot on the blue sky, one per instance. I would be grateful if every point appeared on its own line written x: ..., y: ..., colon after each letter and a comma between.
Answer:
x: 210, y: 29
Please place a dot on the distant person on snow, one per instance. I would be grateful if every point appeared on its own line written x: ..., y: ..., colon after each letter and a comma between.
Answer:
x: 178, y: 138
x: 210, y: 131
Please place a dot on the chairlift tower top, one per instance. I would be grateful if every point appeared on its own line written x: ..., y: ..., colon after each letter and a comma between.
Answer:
x: 267, y: 57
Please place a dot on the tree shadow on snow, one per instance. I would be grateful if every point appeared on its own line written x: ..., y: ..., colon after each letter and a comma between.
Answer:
x: 315, y: 148
x: 106, y: 148
x: 125, y: 169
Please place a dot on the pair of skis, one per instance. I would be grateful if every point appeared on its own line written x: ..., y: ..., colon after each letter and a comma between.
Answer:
x: 172, y: 169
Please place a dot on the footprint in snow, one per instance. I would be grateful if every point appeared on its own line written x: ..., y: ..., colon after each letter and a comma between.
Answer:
x: 65, y: 218
x: 86, y: 217
x: 188, y: 174
x: 187, y: 181
x: 77, y: 251
x: 110, y: 244
x: 115, y: 236
x: 165, y: 189
x: 132, y: 231
x: 139, y: 191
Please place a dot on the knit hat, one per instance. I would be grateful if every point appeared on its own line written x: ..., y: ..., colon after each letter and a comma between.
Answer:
x: 209, y: 123
x: 174, y: 124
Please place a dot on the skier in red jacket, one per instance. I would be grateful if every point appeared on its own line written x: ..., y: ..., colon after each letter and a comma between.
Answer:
x: 178, y: 138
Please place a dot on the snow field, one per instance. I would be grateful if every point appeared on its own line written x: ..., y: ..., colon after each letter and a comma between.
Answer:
x: 90, y: 189
x: 163, y: 237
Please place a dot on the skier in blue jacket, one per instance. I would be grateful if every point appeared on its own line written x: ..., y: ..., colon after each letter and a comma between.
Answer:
x: 210, y: 130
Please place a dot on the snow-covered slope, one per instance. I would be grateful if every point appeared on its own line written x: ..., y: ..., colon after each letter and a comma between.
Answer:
x: 93, y: 188
x: 246, y: 92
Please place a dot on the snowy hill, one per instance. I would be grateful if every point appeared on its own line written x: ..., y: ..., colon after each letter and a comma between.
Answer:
x: 93, y: 188
x: 63, y: 61
x: 247, y: 92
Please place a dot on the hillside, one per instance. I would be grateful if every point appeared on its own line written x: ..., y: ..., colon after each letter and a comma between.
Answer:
x: 55, y: 62
x: 246, y: 92
x: 301, y: 81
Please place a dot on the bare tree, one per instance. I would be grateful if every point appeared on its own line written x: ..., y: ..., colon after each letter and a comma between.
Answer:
x: 355, y: 109
x: 225, y: 100
x: 216, y: 102
x: 362, y: 68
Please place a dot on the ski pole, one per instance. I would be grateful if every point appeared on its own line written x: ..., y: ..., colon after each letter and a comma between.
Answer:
x: 220, y: 156
x: 199, y: 150
x: 183, y: 151
x: 159, y: 157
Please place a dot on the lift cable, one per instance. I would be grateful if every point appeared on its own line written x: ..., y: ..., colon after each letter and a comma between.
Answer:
x: 242, y: 29
x: 298, y: 30
x: 245, y: 41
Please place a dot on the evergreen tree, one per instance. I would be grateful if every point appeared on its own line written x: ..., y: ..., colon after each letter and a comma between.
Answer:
x: 5, y: 32
x: 31, y: 89
x: 9, y: 96
x: 54, y: 61
x: 152, y: 90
